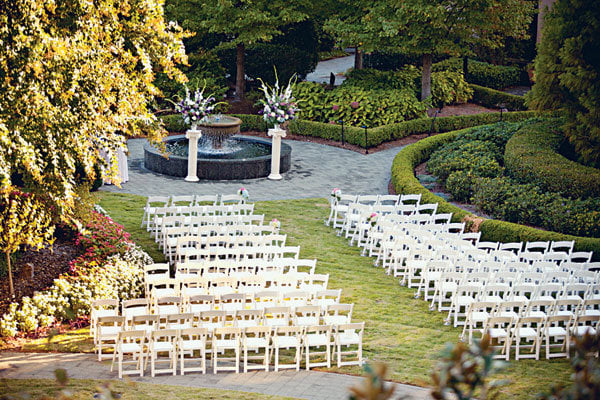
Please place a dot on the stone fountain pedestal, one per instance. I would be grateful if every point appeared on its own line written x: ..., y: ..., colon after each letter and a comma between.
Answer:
x: 193, y: 135
x: 277, y: 133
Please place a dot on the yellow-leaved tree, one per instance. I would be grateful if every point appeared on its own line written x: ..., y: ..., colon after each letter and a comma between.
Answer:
x: 76, y: 78
x: 24, y: 221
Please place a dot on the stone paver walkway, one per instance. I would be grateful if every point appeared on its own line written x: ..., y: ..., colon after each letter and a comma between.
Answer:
x: 302, y: 384
x: 316, y: 169
x: 336, y: 65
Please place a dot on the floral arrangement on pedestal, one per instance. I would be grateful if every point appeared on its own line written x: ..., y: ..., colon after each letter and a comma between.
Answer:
x: 336, y: 194
x: 279, y: 106
x: 196, y: 108
x: 244, y: 193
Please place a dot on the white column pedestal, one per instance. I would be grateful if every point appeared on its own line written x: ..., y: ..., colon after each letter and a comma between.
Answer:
x: 277, y: 134
x: 193, y: 135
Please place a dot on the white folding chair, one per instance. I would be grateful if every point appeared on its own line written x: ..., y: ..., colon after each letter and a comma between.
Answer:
x: 557, y: 334
x: 347, y: 336
x: 254, y: 339
x: 225, y: 339
x: 130, y: 343
x: 102, y: 308
x: 318, y: 338
x: 287, y: 337
x: 191, y: 345
x: 163, y: 341
x: 527, y: 330
x: 107, y: 332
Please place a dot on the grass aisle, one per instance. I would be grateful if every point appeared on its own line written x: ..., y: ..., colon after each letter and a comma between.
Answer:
x: 400, y: 330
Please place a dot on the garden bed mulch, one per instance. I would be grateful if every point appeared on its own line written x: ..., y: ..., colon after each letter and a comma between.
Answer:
x: 36, y: 270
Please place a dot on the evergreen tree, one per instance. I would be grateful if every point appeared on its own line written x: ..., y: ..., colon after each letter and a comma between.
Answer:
x: 567, y: 72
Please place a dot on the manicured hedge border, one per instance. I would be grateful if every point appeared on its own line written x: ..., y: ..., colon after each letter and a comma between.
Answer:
x: 531, y: 155
x: 404, y: 181
x: 492, y: 98
x: 375, y: 136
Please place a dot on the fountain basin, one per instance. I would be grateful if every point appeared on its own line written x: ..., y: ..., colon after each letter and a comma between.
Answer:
x: 217, y: 168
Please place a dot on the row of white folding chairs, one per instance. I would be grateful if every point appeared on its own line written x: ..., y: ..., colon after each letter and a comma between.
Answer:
x: 154, y: 217
x: 213, y: 283
x: 519, y: 305
x: 267, y: 252
x: 227, y: 241
x: 358, y: 216
x: 520, y: 333
x: 436, y: 273
x: 253, y: 266
x: 204, y: 302
x: 191, y: 346
x: 339, y: 206
x: 170, y: 235
x: 195, y: 222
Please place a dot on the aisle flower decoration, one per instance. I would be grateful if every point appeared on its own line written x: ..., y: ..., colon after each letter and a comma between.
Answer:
x: 279, y: 106
x: 244, y: 193
x: 196, y: 107
x: 372, y: 219
x: 275, y: 224
x: 336, y: 194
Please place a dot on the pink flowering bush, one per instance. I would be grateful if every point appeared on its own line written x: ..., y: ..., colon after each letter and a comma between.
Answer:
x: 112, y: 266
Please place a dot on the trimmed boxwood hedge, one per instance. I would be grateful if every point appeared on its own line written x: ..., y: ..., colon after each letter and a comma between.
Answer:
x: 531, y: 155
x: 492, y: 98
x: 404, y: 181
x: 375, y: 136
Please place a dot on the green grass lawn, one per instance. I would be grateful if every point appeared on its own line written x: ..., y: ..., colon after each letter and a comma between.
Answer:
x: 400, y: 330
x: 81, y: 389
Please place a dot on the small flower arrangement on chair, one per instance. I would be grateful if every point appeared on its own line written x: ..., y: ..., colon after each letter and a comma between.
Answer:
x: 372, y: 219
x: 244, y: 193
x: 336, y: 195
x: 275, y: 224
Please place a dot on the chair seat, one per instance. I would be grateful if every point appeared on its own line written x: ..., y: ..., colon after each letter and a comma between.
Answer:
x: 479, y: 316
x: 347, y: 338
x: 464, y: 300
x: 556, y: 331
x: 105, y: 331
x: 131, y: 348
x: 307, y: 321
x: 163, y: 346
x: 226, y: 344
x: 192, y: 344
x: 336, y: 319
x: 497, y: 332
x: 276, y: 322
x: 581, y: 330
x: 317, y: 339
x: 286, y: 341
x: 525, y: 332
x: 254, y: 343
x: 105, y: 313
x: 246, y: 323
x: 536, y: 314
x: 164, y: 292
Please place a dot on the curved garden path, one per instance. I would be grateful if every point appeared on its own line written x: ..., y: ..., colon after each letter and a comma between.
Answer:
x: 302, y: 384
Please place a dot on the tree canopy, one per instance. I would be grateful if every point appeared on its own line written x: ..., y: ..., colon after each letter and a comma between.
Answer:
x: 567, y: 72
x: 76, y: 79
x: 451, y: 27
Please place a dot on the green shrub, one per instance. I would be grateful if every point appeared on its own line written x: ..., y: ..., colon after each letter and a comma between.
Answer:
x: 447, y: 87
x: 484, y: 74
x: 357, y: 106
x: 532, y: 156
x: 460, y: 185
x: 405, y: 182
x: 494, y: 98
x: 474, y: 156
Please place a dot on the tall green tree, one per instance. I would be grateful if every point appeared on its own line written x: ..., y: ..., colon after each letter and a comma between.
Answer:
x: 567, y: 72
x: 244, y: 22
x: 347, y: 27
x: 76, y: 77
x: 427, y: 28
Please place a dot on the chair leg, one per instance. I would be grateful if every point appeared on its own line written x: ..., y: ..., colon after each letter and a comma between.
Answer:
x: 276, y: 359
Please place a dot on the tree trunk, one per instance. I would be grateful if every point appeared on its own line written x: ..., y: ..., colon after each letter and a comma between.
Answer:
x: 240, y: 81
x: 358, y: 58
x: 426, y: 76
x: 10, y: 279
x: 465, y: 67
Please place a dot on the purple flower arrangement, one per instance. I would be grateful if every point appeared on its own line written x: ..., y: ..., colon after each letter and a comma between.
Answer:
x: 195, y: 108
x: 279, y: 106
